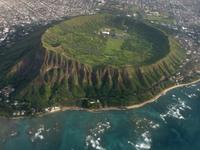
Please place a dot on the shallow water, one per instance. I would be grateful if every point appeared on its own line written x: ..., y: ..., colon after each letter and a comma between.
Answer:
x: 172, y: 123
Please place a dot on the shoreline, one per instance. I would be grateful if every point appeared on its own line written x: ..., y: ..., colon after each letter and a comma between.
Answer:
x: 151, y: 100
x: 155, y: 98
x: 56, y: 109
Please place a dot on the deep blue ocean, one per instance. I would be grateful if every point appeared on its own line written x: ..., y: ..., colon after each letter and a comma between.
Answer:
x: 171, y: 123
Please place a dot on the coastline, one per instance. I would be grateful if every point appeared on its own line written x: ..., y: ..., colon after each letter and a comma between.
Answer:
x: 155, y: 98
x: 56, y: 109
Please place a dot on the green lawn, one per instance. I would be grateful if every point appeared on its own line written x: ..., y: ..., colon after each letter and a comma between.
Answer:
x: 160, y: 19
x: 113, y: 45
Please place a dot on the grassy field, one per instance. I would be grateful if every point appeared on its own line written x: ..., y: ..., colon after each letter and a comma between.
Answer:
x: 161, y: 19
x: 107, y: 40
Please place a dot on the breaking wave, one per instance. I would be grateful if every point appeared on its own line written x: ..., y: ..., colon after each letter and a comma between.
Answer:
x: 93, y: 140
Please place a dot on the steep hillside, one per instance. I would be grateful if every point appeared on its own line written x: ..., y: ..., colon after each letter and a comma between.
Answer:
x: 96, y: 61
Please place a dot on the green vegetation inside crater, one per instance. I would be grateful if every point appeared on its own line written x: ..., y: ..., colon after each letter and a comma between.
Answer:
x: 134, y: 59
x: 107, y: 40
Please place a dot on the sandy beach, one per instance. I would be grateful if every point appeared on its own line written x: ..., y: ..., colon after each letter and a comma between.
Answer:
x: 161, y: 94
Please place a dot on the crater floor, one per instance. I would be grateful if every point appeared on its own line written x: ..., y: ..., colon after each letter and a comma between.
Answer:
x: 107, y: 40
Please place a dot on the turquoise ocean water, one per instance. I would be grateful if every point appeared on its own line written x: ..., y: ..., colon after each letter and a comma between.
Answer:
x: 171, y: 123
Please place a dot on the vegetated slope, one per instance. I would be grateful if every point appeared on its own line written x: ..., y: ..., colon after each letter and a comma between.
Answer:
x: 64, y: 77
